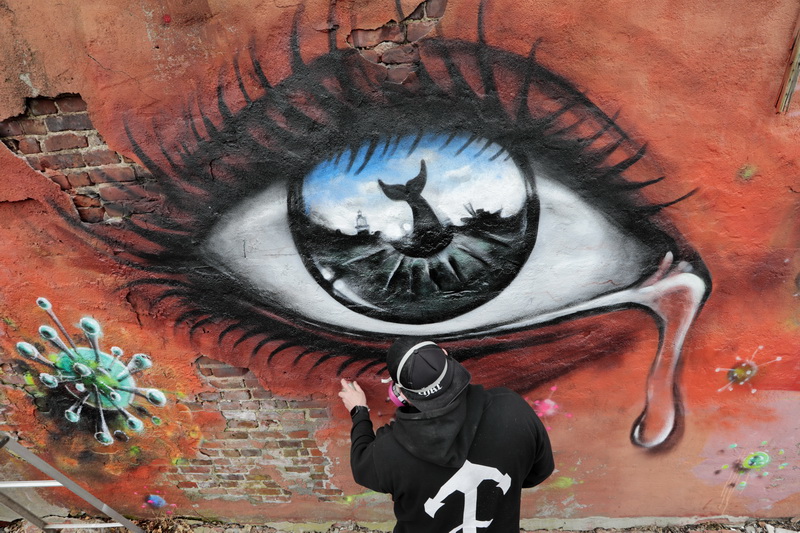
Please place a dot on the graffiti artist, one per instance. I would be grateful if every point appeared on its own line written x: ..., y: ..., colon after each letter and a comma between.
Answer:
x: 448, y: 437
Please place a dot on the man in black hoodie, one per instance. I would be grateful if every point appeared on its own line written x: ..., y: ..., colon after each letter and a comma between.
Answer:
x: 457, y: 456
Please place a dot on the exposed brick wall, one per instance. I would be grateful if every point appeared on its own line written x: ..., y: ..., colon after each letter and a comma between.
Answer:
x: 393, y: 45
x: 56, y: 137
x: 266, y: 452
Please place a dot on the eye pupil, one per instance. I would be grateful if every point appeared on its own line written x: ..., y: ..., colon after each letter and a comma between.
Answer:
x: 416, y: 235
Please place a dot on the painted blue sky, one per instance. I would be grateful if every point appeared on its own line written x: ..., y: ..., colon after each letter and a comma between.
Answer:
x: 334, y: 194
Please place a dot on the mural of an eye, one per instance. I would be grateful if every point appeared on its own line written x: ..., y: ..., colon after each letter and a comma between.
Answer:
x: 335, y: 209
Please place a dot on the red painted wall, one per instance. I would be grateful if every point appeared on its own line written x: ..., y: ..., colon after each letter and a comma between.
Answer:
x: 695, y: 82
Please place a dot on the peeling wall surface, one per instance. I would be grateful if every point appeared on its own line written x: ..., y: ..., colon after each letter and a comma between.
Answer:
x: 212, y: 211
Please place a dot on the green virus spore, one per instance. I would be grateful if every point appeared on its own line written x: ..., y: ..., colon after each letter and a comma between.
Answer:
x: 756, y: 460
x: 747, y: 172
x: 95, y: 379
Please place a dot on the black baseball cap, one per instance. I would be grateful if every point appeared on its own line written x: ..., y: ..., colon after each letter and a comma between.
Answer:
x: 426, y: 374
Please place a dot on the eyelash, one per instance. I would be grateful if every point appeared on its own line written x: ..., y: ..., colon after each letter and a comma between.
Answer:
x: 202, y: 179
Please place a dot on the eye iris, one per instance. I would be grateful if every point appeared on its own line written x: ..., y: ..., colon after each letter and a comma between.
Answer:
x: 419, y: 230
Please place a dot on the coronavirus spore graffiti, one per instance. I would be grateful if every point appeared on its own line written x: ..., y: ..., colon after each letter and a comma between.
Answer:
x: 100, y: 383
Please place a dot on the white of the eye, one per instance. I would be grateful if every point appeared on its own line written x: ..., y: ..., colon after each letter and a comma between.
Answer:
x: 579, y: 255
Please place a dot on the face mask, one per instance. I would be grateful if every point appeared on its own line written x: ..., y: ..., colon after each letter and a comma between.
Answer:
x: 394, y: 395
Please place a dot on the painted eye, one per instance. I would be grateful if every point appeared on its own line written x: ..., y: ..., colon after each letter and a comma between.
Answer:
x: 432, y: 235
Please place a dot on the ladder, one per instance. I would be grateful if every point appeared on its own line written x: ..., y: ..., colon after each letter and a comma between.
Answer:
x: 57, y: 479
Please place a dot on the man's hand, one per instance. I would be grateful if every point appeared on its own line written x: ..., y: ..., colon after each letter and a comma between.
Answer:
x: 352, y: 395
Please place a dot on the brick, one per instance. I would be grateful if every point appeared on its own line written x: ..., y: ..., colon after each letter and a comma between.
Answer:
x: 297, y: 434
x: 297, y: 469
x: 81, y: 200
x: 234, y: 435
x: 269, y: 491
x: 209, y: 452
x: 417, y: 30
x: 91, y: 214
x: 251, y: 381
x: 370, y: 55
x: 42, y: 106
x: 239, y: 415
x: 370, y: 38
x: 434, y: 9
x: 208, y: 396
x: 78, y: 179
x: 302, y: 404
x: 96, y: 158
x: 195, y: 469
x: 237, y: 395
x: 118, y: 174
x: 131, y: 208
x: 309, y: 443
x: 229, y: 372
x: 10, y: 128
x: 317, y: 413
x: 213, y: 491
x: 70, y: 104
x: 61, y: 179
x: 292, y: 415
x: 222, y: 461
x: 121, y: 193
x: 58, y: 161
x: 226, y: 383
x: 231, y: 453
x: 251, y: 452
x: 261, y: 394
x: 268, y: 435
x: 33, y: 127
x: 142, y: 173
x: 187, y: 485
x: 79, y: 121
x: 399, y: 73
x: 231, y: 477
x: 66, y: 141
x: 204, y: 371
x: 242, y: 424
x: 400, y: 54
x: 29, y: 145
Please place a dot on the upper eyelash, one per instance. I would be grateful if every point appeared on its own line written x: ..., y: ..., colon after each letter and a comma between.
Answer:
x: 175, y: 268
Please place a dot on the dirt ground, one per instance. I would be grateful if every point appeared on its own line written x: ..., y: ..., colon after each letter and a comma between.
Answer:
x: 178, y: 525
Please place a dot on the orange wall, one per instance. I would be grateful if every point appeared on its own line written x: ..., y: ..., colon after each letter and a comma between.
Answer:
x: 694, y: 81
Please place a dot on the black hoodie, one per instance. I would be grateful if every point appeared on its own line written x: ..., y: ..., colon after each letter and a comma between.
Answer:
x: 459, y: 468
